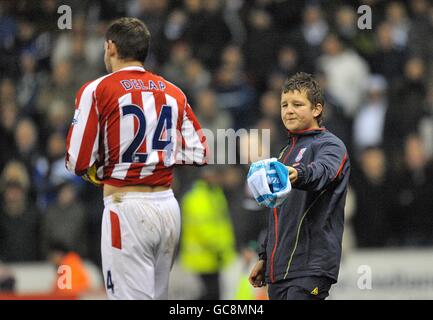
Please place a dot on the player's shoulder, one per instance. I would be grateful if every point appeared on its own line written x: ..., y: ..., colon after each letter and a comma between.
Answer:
x: 90, y: 86
x: 128, y: 78
x: 170, y: 87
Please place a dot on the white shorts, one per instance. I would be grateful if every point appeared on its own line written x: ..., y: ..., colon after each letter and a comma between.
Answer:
x: 140, y: 237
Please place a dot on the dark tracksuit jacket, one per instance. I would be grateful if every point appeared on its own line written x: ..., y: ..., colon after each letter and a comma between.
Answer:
x: 305, y: 232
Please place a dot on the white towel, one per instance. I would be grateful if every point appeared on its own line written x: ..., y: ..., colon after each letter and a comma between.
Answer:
x: 269, y: 182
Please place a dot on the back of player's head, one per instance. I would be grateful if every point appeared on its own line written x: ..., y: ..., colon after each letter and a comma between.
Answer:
x: 131, y: 37
x: 302, y: 81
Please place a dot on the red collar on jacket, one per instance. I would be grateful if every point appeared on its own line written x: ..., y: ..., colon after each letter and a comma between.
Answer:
x: 306, y: 131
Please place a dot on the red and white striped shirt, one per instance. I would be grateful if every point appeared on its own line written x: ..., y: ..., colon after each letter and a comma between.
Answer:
x: 135, y: 126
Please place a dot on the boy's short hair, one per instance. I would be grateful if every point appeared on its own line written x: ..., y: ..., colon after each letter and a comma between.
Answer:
x: 303, y: 81
x: 132, y: 38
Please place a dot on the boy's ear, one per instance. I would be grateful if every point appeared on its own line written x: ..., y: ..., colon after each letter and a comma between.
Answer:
x: 317, y: 110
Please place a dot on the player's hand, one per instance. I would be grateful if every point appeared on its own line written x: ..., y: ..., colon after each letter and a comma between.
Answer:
x: 293, y: 174
x: 257, y: 275
x: 90, y: 176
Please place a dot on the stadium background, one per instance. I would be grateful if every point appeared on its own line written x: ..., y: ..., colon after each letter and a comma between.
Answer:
x: 231, y: 58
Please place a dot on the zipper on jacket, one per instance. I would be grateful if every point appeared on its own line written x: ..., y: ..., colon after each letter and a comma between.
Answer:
x: 275, y: 244
x: 293, y: 140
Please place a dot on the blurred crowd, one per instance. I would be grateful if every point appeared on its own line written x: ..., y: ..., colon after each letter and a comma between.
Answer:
x: 231, y: 59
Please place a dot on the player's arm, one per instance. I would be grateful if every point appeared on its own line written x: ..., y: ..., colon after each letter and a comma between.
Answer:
x: 192, y: 146
x: 82, y: 140
x: 328, y: 166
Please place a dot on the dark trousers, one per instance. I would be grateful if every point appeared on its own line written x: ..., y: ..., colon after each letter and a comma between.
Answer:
x: 211, y: 286
x: 305, y: 288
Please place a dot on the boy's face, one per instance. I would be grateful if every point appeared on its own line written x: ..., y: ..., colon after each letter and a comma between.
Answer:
x: 297, y: 112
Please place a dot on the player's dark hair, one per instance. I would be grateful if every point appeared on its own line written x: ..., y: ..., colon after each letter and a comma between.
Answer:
x: 303, y: 81
x: 132, y: 38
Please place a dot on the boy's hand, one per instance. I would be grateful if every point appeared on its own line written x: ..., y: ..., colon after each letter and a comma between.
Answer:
x: 257, y: 275
x: 293, y: 174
